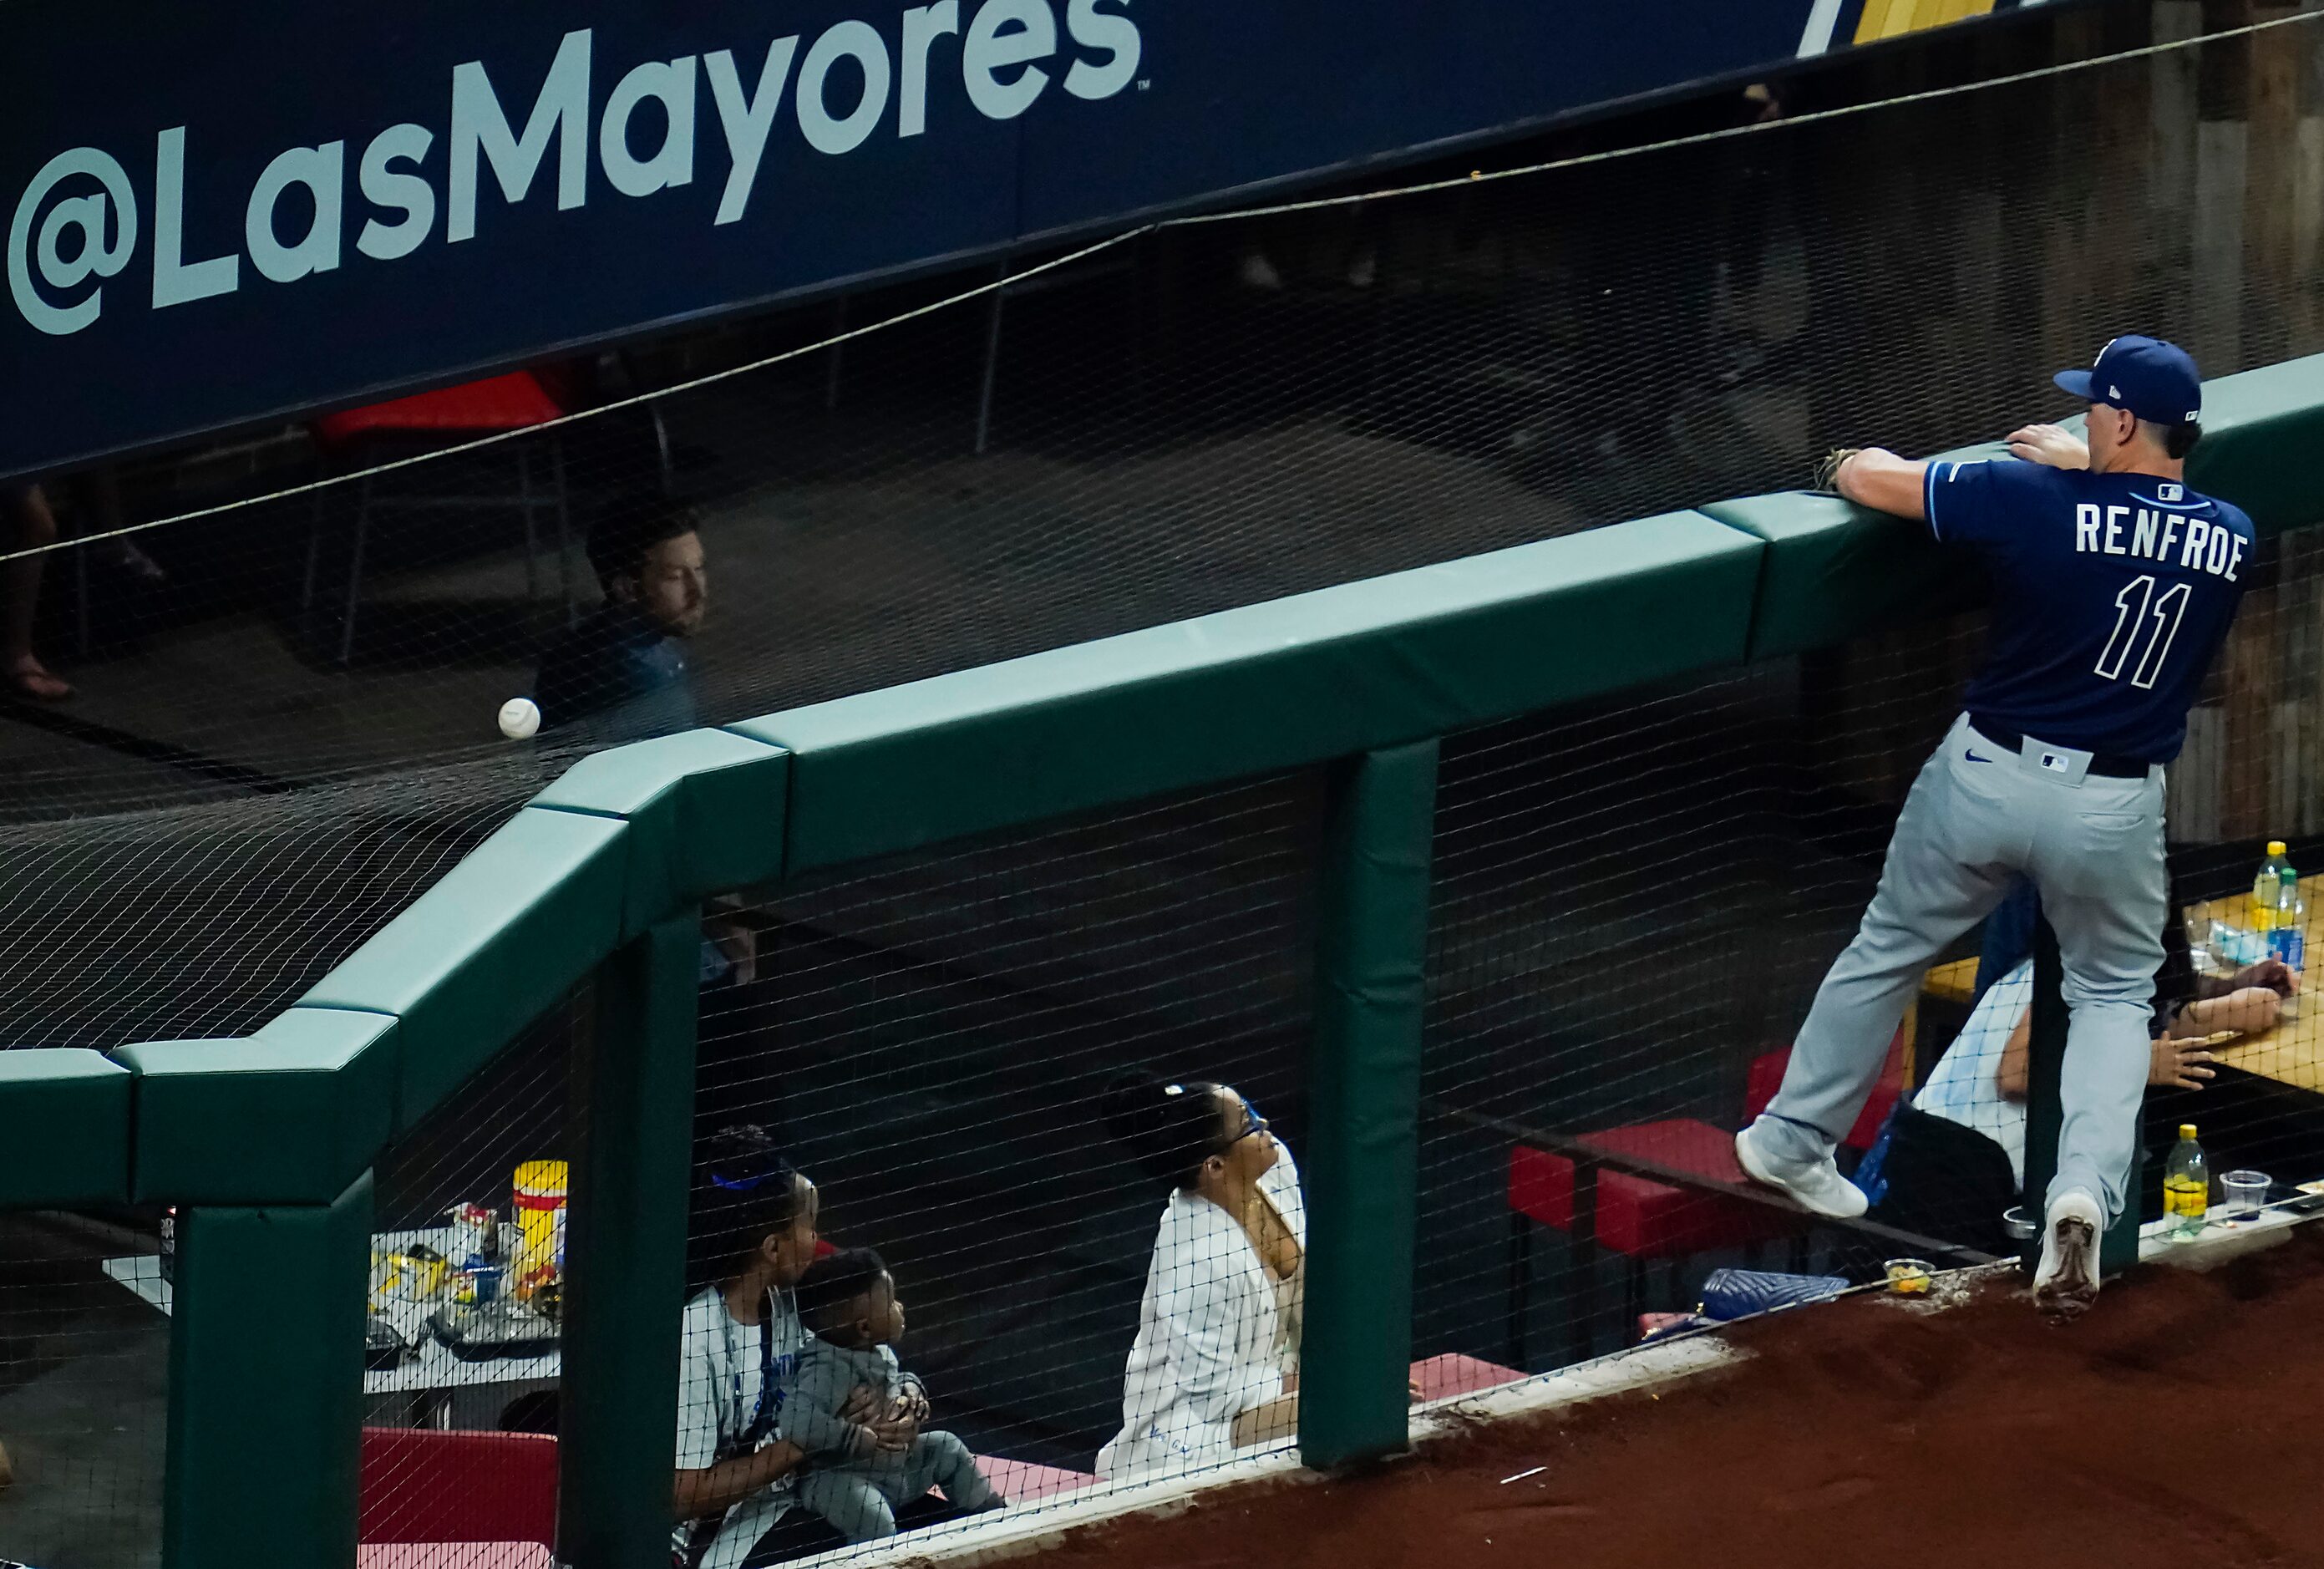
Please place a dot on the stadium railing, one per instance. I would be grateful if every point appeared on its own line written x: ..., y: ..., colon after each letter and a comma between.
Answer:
x: 266, y: 1146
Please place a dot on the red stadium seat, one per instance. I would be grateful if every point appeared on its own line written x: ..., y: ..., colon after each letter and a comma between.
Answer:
x: 1440, y: 1378
x: 421, y: 1485
x: 1766, y: 1077
x: 515, y: 402
x: 1644, y: 1220
x: 1021, y: 1481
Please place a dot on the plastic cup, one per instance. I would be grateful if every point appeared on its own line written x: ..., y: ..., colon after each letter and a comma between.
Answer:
x: 2245, y: 1192
x: 2020, y: 1223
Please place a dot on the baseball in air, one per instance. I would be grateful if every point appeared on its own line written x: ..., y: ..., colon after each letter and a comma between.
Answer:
x: 518, y: 718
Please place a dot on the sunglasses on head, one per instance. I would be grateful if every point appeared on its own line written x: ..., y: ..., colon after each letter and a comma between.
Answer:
x: 744, y: 1183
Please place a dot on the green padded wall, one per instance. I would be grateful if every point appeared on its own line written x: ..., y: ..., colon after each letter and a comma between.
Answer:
x: 2262, y: 430
x: 315, y: 1089
x: 1295, y: 681
x: 1363, y: 1153
x: 266, y: 1402
x: 705, y: 810
x: 487, y: 949
x: 629, y: 836
x: 625, y: 1251
x: 65, y: 1132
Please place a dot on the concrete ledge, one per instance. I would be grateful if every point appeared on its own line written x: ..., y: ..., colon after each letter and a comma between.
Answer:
x: 1014, y: 1533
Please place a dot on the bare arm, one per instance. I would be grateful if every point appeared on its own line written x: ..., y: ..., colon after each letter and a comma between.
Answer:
x: 2048, y: 444
x: 2015, y: 1071
x: 2176, y: 1061
x: 726, y: 926
x: 1277, y: 1418
x: 2272, y: 974
x: 715, y: 1488
x: 2251, y: 1010
x: 1879, y: 479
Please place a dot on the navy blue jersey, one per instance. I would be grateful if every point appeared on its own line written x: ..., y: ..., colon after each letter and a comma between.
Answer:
x: 2112, y: 594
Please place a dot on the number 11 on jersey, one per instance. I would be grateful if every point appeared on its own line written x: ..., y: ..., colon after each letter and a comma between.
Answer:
x: 2165, y: 611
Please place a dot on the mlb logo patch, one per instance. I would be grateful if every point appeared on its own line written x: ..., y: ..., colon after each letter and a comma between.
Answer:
x: 2169, y: 493
x: 2056, y: 764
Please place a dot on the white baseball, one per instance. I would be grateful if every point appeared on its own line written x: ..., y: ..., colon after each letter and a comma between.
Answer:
x: 518, y: 718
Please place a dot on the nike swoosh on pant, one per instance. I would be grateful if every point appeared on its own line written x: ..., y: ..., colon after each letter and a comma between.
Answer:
x: 1973, y: 757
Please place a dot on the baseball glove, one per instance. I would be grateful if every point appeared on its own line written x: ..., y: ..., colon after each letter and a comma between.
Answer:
x: 1827, y: 472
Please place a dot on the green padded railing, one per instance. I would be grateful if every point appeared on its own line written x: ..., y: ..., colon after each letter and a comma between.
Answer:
x: 605, y: 871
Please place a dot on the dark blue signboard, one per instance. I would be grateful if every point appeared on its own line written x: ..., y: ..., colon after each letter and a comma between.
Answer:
x: 219, y: 214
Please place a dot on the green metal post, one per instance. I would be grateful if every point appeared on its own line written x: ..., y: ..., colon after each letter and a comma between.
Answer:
x: 266, y: 1346
x: 2045, y: 1111
x: 626, y: 1252
x: 1362, y: 1162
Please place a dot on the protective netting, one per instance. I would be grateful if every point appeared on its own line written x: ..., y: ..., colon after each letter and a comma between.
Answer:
x: 1196, y: 416
x: 84, y: 1381
x: 948, y: 1047
x: 463, y: 1372
x: 1635, y: 903
x: 283, y: 738
x: 207, y: 920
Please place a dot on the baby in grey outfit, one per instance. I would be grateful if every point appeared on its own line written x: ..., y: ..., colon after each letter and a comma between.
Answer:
x: 847, y: 1302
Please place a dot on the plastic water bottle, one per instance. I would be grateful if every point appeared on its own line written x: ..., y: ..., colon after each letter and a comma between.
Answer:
x: 2186, y: 1186
x: 2267, y: 887
x: 2288, y: 939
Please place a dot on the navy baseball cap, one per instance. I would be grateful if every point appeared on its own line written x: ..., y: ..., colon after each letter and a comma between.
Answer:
x: 2154, y: 380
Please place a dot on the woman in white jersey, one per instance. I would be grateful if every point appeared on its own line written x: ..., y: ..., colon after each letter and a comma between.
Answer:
x: 1216, y: 1364
x: 752, y: 1236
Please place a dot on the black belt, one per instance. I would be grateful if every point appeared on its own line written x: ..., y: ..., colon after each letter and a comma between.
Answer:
x: 2103, y: 764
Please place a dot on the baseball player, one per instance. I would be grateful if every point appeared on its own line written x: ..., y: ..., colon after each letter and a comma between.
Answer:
x: 2113, y: 586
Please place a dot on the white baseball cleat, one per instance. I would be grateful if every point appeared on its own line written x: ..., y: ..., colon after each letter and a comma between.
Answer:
x: 2066, y: 1282
x: 1817, y: 1186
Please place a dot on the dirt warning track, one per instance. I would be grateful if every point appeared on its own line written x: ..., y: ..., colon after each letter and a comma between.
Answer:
x: 2181, y: 1424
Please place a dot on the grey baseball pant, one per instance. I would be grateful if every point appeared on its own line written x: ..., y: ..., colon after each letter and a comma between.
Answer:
x: 1977, y: 814
x: 859, y: 1499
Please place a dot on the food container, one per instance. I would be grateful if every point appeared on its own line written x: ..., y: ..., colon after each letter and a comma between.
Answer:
x: 414, y: 1273
x: 2020, y: 1223
x: 1909, y: 1276
x: 539, y: 1215
x: 477, y: 1282
x: 2244, y: 1193
x: 474, y: 1230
